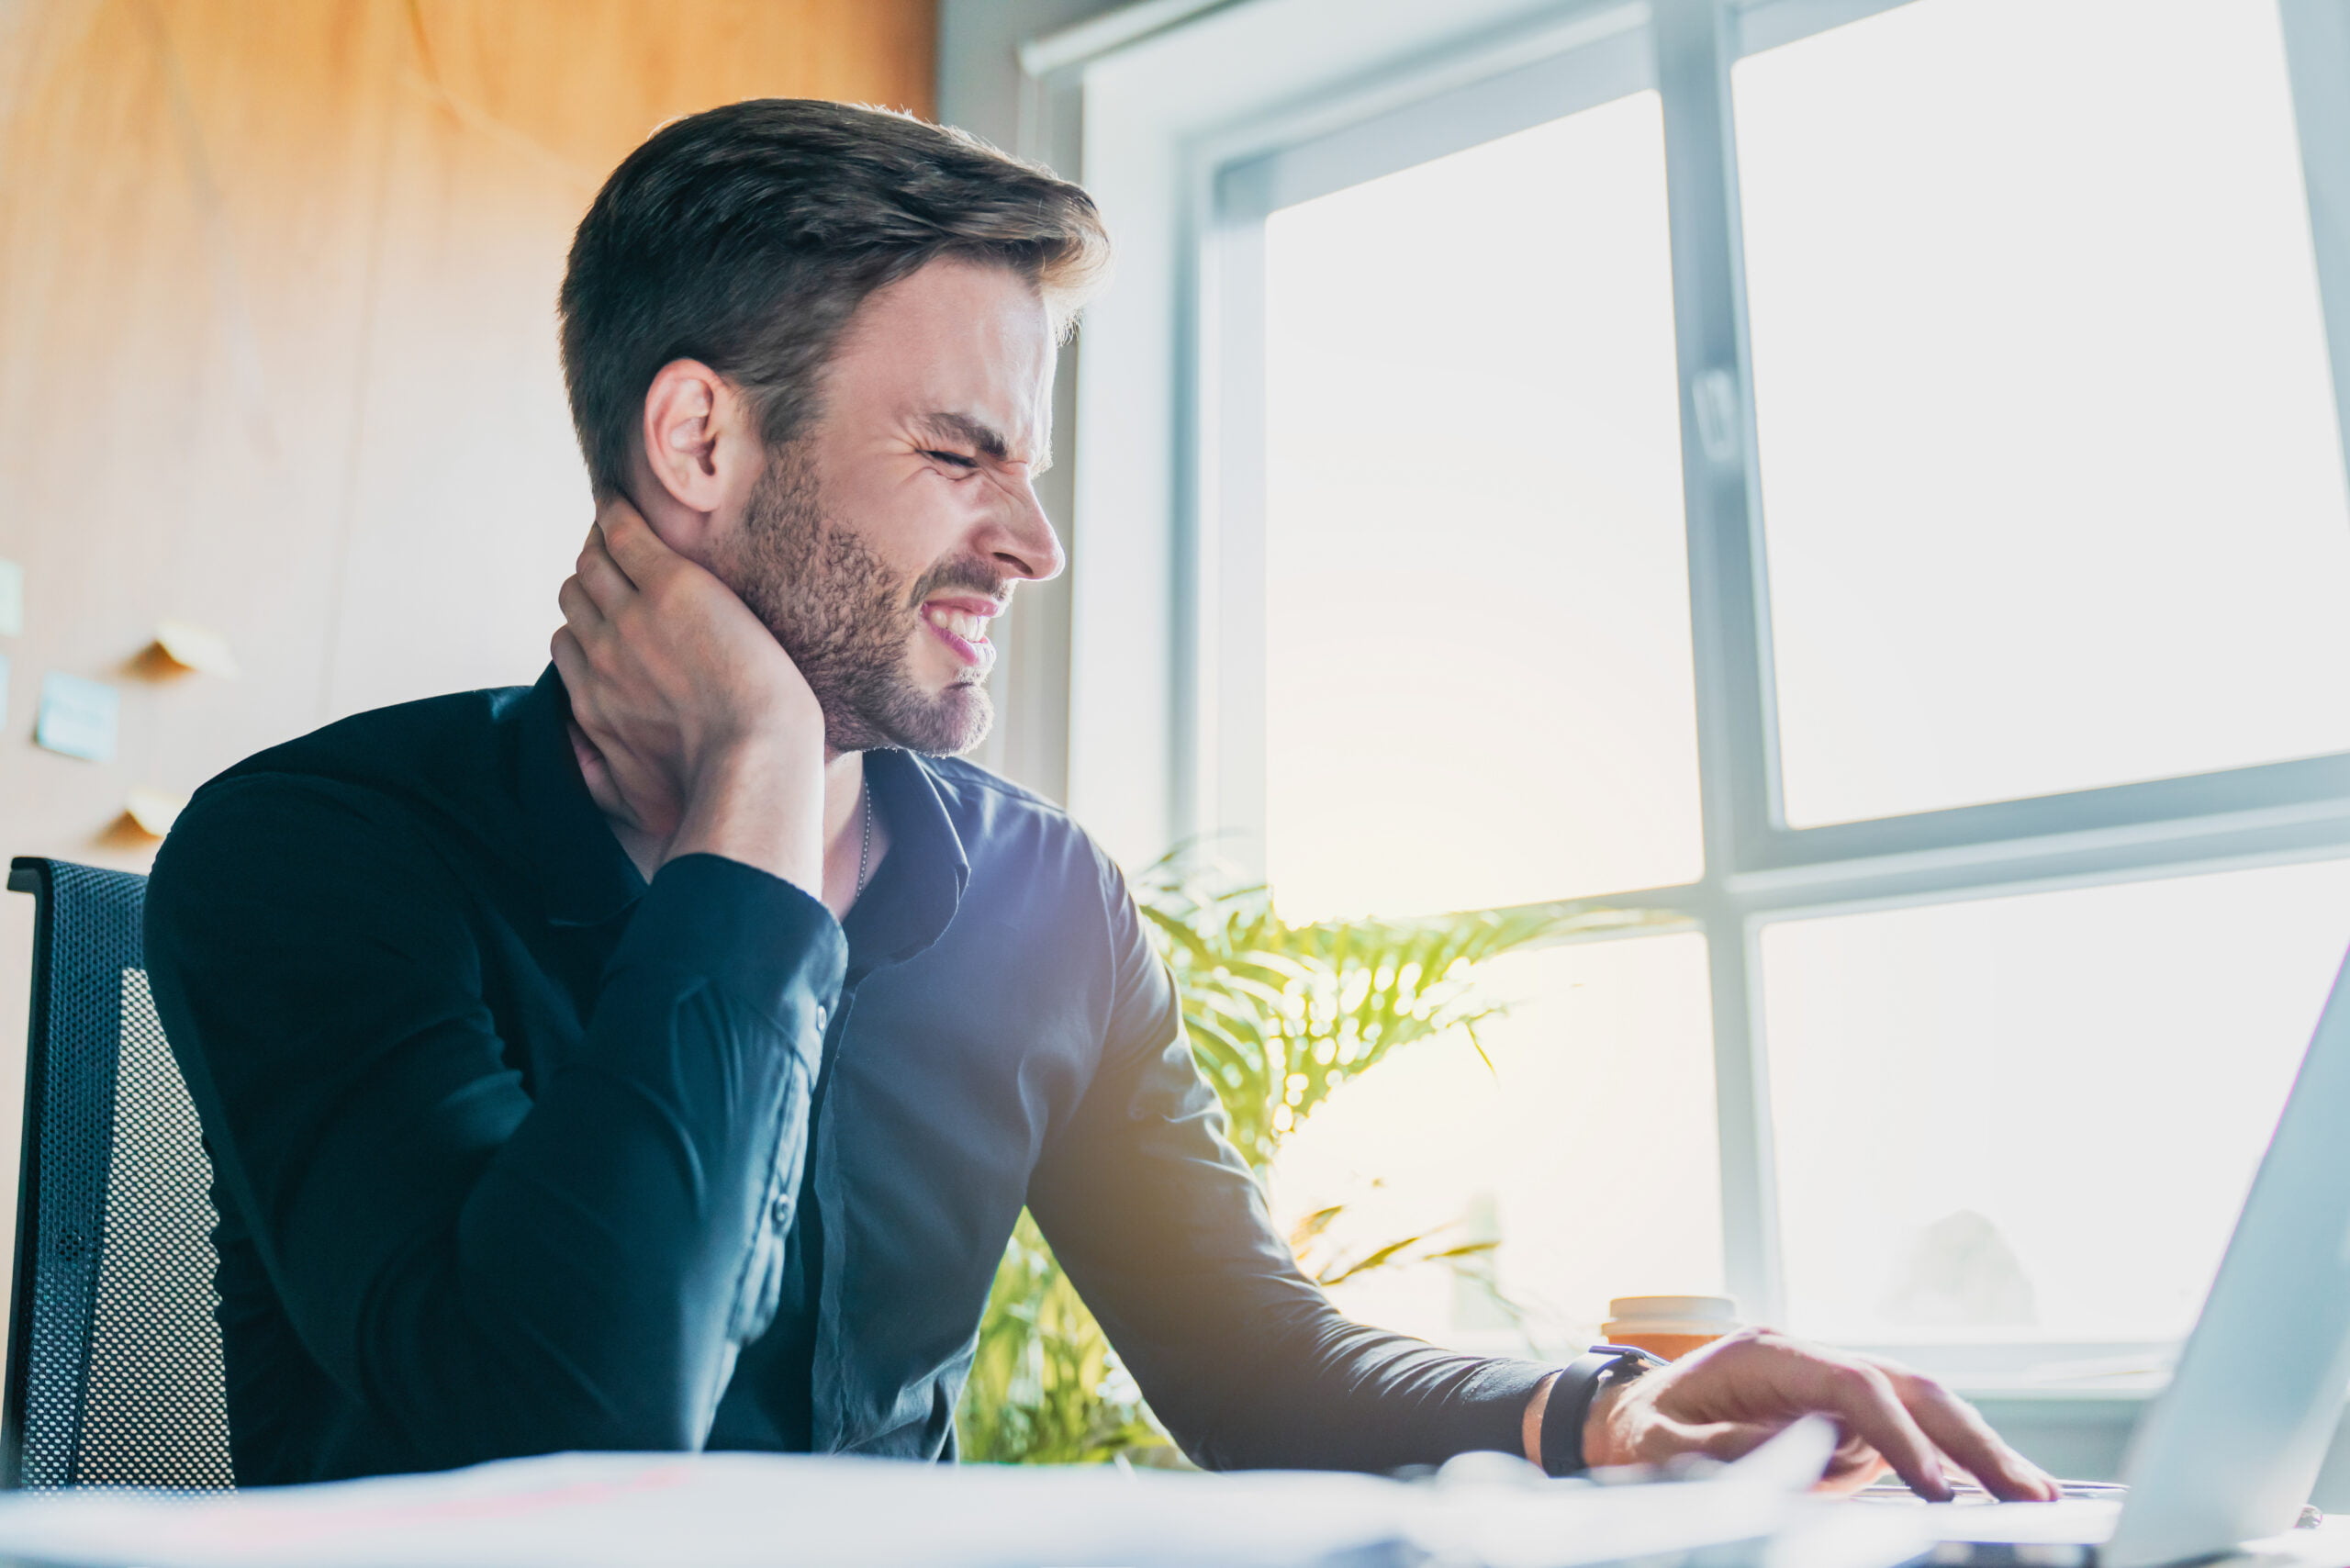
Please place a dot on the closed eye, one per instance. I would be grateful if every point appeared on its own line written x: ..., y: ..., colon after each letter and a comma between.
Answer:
x: 954, y: 459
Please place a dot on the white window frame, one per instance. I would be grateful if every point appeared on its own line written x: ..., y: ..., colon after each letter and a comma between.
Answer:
x: 1189, y: 119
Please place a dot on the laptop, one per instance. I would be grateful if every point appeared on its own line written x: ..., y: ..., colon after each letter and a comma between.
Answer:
x: 2228, y: 1452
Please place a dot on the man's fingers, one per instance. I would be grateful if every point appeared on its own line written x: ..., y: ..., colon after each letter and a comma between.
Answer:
x: 1803, y: 1378
x: 635, y: 548
x: 1969, y: 1440
x: 601, y: 576
x: 595, y: 766
x: 570, y: 659
x: 1890, y: 1416
x: 579, y: 606
x: 1852, y: 1466
x: 1724, y: 1440
x: 1863, y: 1396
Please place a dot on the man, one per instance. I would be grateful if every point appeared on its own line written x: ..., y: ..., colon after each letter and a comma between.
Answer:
x: 659, y: 1056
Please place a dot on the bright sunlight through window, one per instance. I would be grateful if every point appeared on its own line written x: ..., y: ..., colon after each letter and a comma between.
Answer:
x: 2052, y: 498
x: 2053, y: 481
x: 2035, y: 1117
x: 1478, y: 670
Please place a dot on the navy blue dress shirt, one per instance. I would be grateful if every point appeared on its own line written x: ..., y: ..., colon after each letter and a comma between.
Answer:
x: 515, y: 1152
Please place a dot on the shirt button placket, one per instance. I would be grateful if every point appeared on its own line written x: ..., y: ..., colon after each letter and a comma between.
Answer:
x: 779, y: 1203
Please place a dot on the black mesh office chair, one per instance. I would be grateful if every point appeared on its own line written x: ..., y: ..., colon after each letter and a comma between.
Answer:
x: 114, y: 1356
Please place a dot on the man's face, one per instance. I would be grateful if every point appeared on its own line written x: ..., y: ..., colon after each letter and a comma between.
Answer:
x: 878, y: 547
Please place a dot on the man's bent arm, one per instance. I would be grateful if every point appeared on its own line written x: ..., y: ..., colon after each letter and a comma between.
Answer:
x: 489, y: 1267
x: 1165, y: 1234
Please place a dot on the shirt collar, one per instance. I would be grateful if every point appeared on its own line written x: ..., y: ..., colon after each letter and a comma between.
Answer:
x: 586, y: 876
x: 915, y: 893
x: 589, y: 878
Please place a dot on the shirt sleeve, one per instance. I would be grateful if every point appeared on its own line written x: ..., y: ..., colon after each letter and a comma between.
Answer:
x: 492, y: 1266
x: 1167, y: 1236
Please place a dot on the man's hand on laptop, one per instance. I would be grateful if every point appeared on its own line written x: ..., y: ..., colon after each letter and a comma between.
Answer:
x: 1731, y: 1395
x: 695, y: 731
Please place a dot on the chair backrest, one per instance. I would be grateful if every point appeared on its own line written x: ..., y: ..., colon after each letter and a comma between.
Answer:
x: 114, y: 1372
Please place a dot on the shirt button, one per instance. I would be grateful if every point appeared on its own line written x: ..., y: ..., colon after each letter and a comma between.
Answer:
x: 779, y: 1211
x: 824, y: 1018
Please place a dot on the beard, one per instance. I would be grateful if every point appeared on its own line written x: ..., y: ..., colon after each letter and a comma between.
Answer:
x: 842, y: 614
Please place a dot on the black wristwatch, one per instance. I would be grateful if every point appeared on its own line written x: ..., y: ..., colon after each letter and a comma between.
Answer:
x: 1569, y: 1406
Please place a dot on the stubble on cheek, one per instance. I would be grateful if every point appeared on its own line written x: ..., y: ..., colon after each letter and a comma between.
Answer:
x: 841, y: 614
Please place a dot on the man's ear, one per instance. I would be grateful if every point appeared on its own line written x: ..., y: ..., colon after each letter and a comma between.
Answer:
x: 703, y: 456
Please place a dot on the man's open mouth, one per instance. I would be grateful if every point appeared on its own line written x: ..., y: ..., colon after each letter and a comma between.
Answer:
x: 962, y: 625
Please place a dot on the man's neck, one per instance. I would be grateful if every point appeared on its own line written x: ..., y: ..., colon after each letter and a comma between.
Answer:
x: 855, y: 836
x: 844, y: 798
x: 845, y: 834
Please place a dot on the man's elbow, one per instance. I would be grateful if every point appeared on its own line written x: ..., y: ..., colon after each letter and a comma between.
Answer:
x: 515, y: 1428
x: 470, y: 1399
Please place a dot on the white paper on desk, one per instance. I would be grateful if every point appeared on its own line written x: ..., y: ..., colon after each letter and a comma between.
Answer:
x: 769, y: 1511
x: 726, y: 1510
x: 1542, y: 1525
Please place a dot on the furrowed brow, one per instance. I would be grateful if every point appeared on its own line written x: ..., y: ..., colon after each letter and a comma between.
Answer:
x: 984, y: 439
x: 981, y: 437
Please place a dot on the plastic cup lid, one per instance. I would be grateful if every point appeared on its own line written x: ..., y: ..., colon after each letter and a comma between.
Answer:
x: 1716, y: 1310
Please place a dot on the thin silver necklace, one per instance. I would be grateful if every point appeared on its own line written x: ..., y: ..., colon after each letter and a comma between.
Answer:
x: 865, y: 851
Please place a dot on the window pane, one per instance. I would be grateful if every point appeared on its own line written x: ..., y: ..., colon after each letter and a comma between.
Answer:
x: 2051, y: 472
x: 1588, y: 1150
x: 1477, y: 666
x: 2036, y: 1117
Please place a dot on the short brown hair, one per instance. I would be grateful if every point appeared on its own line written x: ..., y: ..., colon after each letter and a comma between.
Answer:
x: 745, y: 237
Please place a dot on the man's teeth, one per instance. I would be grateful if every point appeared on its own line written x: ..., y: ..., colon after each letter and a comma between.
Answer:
x: 962, y: 624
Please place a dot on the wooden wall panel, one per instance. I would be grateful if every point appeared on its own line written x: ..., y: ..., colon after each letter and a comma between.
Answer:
x: 466, y: 468
x: 277, y: 350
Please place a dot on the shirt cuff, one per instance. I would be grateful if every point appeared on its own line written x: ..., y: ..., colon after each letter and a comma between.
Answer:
x: 754, y: 934
x: 1488, y: 1409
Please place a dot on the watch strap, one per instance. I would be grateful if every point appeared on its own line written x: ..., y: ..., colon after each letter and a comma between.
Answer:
x: 1568, y: 1409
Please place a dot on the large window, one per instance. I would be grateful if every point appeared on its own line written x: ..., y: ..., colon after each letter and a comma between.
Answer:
x: 1864, y: 483
x: 1473, y: 544
x: 2046, y: 425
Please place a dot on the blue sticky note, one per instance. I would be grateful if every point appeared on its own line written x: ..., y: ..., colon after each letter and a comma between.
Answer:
x: 77, y: 716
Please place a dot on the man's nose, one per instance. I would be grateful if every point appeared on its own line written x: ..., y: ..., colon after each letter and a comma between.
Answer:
x: 1025, y: 545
